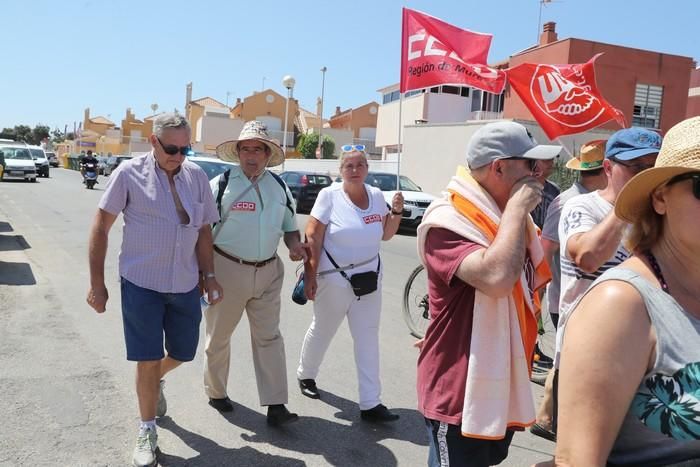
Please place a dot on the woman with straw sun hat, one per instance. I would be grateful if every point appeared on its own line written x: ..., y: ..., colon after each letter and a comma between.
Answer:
x: 629, y: 388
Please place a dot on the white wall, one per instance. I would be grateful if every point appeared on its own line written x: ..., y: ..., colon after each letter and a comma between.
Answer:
x: 341, y: 137
x: 388, y: 118
x: 447, y: 108
x: 432, y: 152
x: 215, y: 129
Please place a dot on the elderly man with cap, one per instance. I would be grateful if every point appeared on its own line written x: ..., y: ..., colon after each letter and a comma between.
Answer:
x: 589, y: 165
x: 485, y: 263
x: 256, y: 212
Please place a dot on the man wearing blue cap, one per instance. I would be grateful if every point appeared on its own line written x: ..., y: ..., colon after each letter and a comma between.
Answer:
x: 590, y: 234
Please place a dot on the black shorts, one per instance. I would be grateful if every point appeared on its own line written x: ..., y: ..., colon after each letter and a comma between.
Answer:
x: 449, y: 447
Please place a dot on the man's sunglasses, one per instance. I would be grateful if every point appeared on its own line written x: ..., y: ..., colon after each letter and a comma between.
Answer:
x: 694, y: 176
x: 532, y: 163
x: 634, y: 168
x: 171, y: 149
x: 353, y: 147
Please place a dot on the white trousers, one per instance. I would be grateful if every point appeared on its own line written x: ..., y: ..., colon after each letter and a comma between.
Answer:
x: 333, y: 303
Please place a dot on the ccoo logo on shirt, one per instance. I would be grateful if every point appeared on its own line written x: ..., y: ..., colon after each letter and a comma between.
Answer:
x: 243, y: 206
x: 372, y: 218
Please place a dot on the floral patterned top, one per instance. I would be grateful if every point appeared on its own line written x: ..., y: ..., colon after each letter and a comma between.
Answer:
x: 662, y: 425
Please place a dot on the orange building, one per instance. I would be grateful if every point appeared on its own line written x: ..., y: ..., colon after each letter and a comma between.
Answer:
x: 362, y: 121
x: 650, y: 88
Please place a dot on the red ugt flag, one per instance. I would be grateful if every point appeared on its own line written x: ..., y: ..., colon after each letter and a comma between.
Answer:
x: 434, y: 52
x: 564, y: 99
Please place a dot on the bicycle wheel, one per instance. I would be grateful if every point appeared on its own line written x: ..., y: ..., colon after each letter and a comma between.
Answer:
x: 416, y: 312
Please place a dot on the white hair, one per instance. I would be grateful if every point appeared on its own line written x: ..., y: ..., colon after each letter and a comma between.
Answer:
x: 169, y: 121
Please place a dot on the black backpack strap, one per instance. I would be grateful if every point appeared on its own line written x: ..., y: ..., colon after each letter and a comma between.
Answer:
x: 284, y: 188
x: 223, y: 183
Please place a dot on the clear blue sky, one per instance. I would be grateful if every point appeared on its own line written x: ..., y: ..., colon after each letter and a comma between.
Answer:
x: 62, y: 56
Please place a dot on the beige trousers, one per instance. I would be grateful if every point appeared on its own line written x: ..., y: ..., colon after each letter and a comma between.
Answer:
x: 257, y: 291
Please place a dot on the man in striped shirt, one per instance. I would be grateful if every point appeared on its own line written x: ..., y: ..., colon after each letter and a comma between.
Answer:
x: 168, y: 208
x: 590, y: 235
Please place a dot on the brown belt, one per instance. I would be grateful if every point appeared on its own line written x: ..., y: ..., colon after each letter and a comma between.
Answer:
x: 257, y: 264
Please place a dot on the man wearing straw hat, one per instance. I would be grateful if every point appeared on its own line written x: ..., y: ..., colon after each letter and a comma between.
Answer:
x: 589, y: 164
x: 256, y: 212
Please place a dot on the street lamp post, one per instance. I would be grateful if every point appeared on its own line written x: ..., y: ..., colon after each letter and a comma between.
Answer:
x: 320, y: 126
x: 288, y: 82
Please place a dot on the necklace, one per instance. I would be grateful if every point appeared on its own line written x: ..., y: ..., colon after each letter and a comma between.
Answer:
x: 657, y: 270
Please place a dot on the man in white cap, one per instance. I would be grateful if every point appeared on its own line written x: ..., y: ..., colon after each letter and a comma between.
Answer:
x: 256, y: 212
x: 484, y: 263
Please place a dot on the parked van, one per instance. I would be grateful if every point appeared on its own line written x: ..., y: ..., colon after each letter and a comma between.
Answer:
x: 18, y: 162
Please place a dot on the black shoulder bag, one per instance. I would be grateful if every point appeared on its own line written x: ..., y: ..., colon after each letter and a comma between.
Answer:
x: 362, y: 283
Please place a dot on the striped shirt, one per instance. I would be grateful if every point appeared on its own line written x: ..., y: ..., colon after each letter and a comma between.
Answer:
x: 579, y: 215
x: 158, y: 251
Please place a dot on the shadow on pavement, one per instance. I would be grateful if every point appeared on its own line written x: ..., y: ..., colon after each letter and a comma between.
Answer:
x: 13, y: 243
x: 211, y: 453
x: 16, y: 274
x: 5, y: 227
x: 338, y: 443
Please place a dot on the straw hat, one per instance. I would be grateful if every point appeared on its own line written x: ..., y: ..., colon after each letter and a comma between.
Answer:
x: 253, y: 130
x: 591, y: 157
x: 679, y: 154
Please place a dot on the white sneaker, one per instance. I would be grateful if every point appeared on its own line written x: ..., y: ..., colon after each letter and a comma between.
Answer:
x: 162, y: 406
x: 145, y: 450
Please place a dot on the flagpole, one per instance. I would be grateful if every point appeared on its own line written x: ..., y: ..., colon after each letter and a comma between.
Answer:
x: 399, y: 154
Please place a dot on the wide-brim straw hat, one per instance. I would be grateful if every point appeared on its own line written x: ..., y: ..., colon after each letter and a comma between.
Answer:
x: 253, y: 130
x: 679, y: 154
x: 591, y: 157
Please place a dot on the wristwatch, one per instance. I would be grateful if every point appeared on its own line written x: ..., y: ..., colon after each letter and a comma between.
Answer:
x: 209, y: 275
x: 396, y: 213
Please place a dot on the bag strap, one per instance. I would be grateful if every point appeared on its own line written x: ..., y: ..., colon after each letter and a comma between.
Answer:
x: 279, y: 180
x: 342, y: 270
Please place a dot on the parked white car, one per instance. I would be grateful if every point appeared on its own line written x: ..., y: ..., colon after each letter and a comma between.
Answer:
x: 17, y: 162
x: 40, y: 160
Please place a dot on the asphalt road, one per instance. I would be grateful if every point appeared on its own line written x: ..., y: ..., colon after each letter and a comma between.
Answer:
x: 66, y: 390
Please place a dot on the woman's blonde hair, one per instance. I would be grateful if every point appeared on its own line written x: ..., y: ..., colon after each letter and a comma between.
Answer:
x: 345, y: 155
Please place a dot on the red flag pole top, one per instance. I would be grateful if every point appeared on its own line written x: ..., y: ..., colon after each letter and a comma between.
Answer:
x: 434, y: 52
x: 563, y: 99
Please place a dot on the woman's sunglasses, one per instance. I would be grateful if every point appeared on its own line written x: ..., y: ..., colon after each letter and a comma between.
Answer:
x: 171, y: 149
x: 694, y: 176
x: 353, y: 147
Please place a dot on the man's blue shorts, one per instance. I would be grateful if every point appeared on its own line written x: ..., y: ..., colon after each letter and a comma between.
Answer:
x: 149, y: 316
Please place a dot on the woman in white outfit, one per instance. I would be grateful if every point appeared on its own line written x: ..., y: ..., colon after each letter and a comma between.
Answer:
x: 346, y: 226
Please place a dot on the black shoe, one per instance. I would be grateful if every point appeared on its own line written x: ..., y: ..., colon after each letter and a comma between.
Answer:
x: 278, y: 415
x: 309, y: 389
x: 222, y: 405
x: 378, y: 414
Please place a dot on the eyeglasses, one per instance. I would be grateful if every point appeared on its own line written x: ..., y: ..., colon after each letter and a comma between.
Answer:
x: 353, y: 147
x: 532, y: 163
x: 634, y: 168
x: 171, y: 149
x: 694, y: 176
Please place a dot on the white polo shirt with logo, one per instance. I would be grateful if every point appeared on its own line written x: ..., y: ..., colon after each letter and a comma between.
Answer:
x: 252, y: 227
x: 353, y: 235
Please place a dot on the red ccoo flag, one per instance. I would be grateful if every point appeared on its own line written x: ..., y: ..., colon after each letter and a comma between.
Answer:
x: 434, y: 52
x: 564, y: 99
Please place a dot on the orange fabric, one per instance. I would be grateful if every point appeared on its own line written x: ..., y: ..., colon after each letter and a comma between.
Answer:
x: 526, y: 317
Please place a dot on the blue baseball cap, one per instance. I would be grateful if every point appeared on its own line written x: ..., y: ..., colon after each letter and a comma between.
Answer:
x: 632, y: 143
